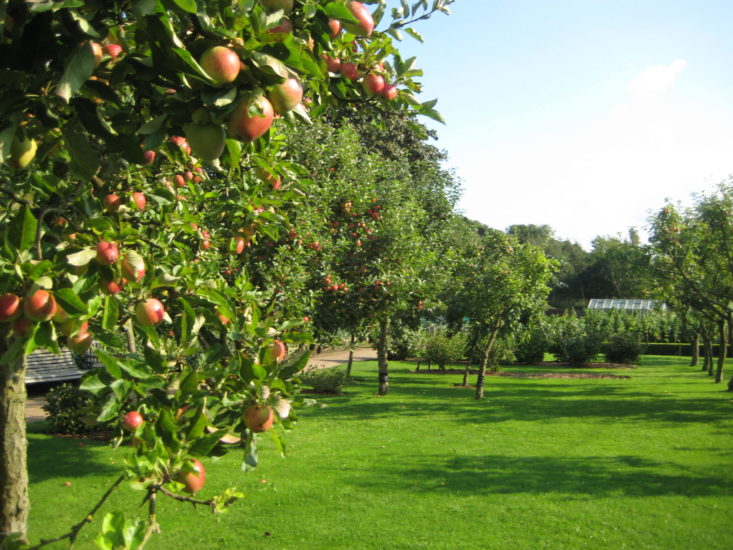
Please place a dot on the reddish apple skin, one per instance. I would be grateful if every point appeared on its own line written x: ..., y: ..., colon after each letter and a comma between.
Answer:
x: 139, y: 199
x: 349, y: 70
x: 335, y: 26
x: 221, y: 64
x: 80, y: 342
x: 278, y: 350
x: 131, y: 273
x: 249, y: 128
x: 132, y: 421
x: 267, y: 177
x: 239, y: 245
x: 389, y: 92
x: 150, y: 312
x: 149, y: 157
x: 194, y: 481
x: 111, y: 287
x: 284, y: 27
x: 107, y: 253
x: 39, y: 306
x: 9, y: 307
x: 333, y: 64
x: 113, y: 50
x: 373, y: 84
x: 112, y: 202
x: 285, y: 95
x: 259, y: 418
x: 365, y: 26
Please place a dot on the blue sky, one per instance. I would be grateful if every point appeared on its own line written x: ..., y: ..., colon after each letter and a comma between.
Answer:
x: 583, y: 115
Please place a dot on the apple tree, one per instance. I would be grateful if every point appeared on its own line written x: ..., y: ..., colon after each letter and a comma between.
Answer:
x: 499, y: 283
x: 137, y: 163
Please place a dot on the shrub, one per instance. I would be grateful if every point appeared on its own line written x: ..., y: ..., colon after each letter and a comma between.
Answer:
x: 624, y: 347
x: 576, y: 350
x: 330, y: 380
x: 531, y: 349
x: 70, y: 410
x: 442, y: 349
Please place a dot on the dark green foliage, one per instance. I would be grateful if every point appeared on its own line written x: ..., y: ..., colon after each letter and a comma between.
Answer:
x: 442, y: 348
x: 624, y: 347
x: 331, y: 380
x: 532, y: 348
x: 68, y: 407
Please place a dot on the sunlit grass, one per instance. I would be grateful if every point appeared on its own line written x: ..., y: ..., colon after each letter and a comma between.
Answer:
x: 644, y: 462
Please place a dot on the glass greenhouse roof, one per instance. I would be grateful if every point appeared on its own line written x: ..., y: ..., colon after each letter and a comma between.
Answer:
x: 618, y: 303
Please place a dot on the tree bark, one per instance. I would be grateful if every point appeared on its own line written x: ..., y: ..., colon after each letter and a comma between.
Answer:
x: 382, y: 357
x: 722, y: 350
x: 351, y: 357
x: 14, y: 503
x: 695, y: 359
x: 485, y: 362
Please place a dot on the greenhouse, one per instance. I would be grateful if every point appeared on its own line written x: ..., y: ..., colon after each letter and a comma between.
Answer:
x: 641, y: 306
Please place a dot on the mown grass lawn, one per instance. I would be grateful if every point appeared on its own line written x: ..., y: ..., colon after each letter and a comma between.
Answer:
x: 638, y: 463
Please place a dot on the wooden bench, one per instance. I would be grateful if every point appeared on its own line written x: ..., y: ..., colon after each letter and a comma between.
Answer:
x: 44, y: 366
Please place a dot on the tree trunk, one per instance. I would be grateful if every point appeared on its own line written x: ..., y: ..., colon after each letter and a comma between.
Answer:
x: 351, y: 357
x: 484, y: 364
x: 695, y: 359
x: 722, y: 350
x: 382, y: 357
x: 14, y: 503
x: 709, y: 356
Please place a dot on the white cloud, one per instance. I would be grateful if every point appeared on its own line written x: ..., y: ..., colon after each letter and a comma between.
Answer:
x: 657, y: 80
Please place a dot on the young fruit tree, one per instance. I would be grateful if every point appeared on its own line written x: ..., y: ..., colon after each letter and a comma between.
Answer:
x: 130, y: 137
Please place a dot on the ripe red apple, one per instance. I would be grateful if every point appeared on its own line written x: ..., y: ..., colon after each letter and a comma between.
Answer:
x: 221, y: 64
x: 193, y: 481
x: 278, y: 350
x: 112, y: 202
x: 349, y: 70
x: 107, y: 253
x: 248, y: 127
x: 333, y: 64
x: 335, y: 26
x: 110, y: 287
x: 113, y: 50
x: 80, y: 342
x: 389, y: 92
x: 207, y: 141
x: 180, y: 180
x: 139, y: 199
x: 205, y: 244
x: 274, y: 5
x: 149, y: 312
x: 259, y: 418
x: 149, y: 157
x: 373, y: 84
x: 365, y: 24
x: 239, y: 244
x: 39, y: 306
x: 285, y: 95
x: 132, y: 421
x: 9, y: 307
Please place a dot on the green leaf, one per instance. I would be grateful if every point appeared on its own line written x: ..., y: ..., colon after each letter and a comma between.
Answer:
x: 188, y: 319
x: 84, y: 158
x: 251, y: 370
x: 109, y: 362
x: 24, y: 229
x: 78, y: 70
x: 198, y: 424
x: 203, y: 445
x: 71, y: 303
x: 187, y: 5
x: 81, y: 258
x: 167, y: 429
x: 136, y: 369
x: 110, y: 410
x: 93, y: 383
x: 111, y: 313
x: 152, y: 126
x: 6, y: 139
x: 416, y: 35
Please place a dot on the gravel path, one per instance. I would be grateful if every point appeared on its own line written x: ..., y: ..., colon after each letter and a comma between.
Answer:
x: 34, y: 412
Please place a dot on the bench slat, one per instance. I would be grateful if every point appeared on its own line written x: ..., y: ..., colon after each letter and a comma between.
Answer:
x: 44, y: 366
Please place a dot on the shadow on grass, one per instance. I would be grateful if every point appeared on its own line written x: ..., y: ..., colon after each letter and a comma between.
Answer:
x: 525, y: 400
x: 51, y: 457
x: 579, y: 477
